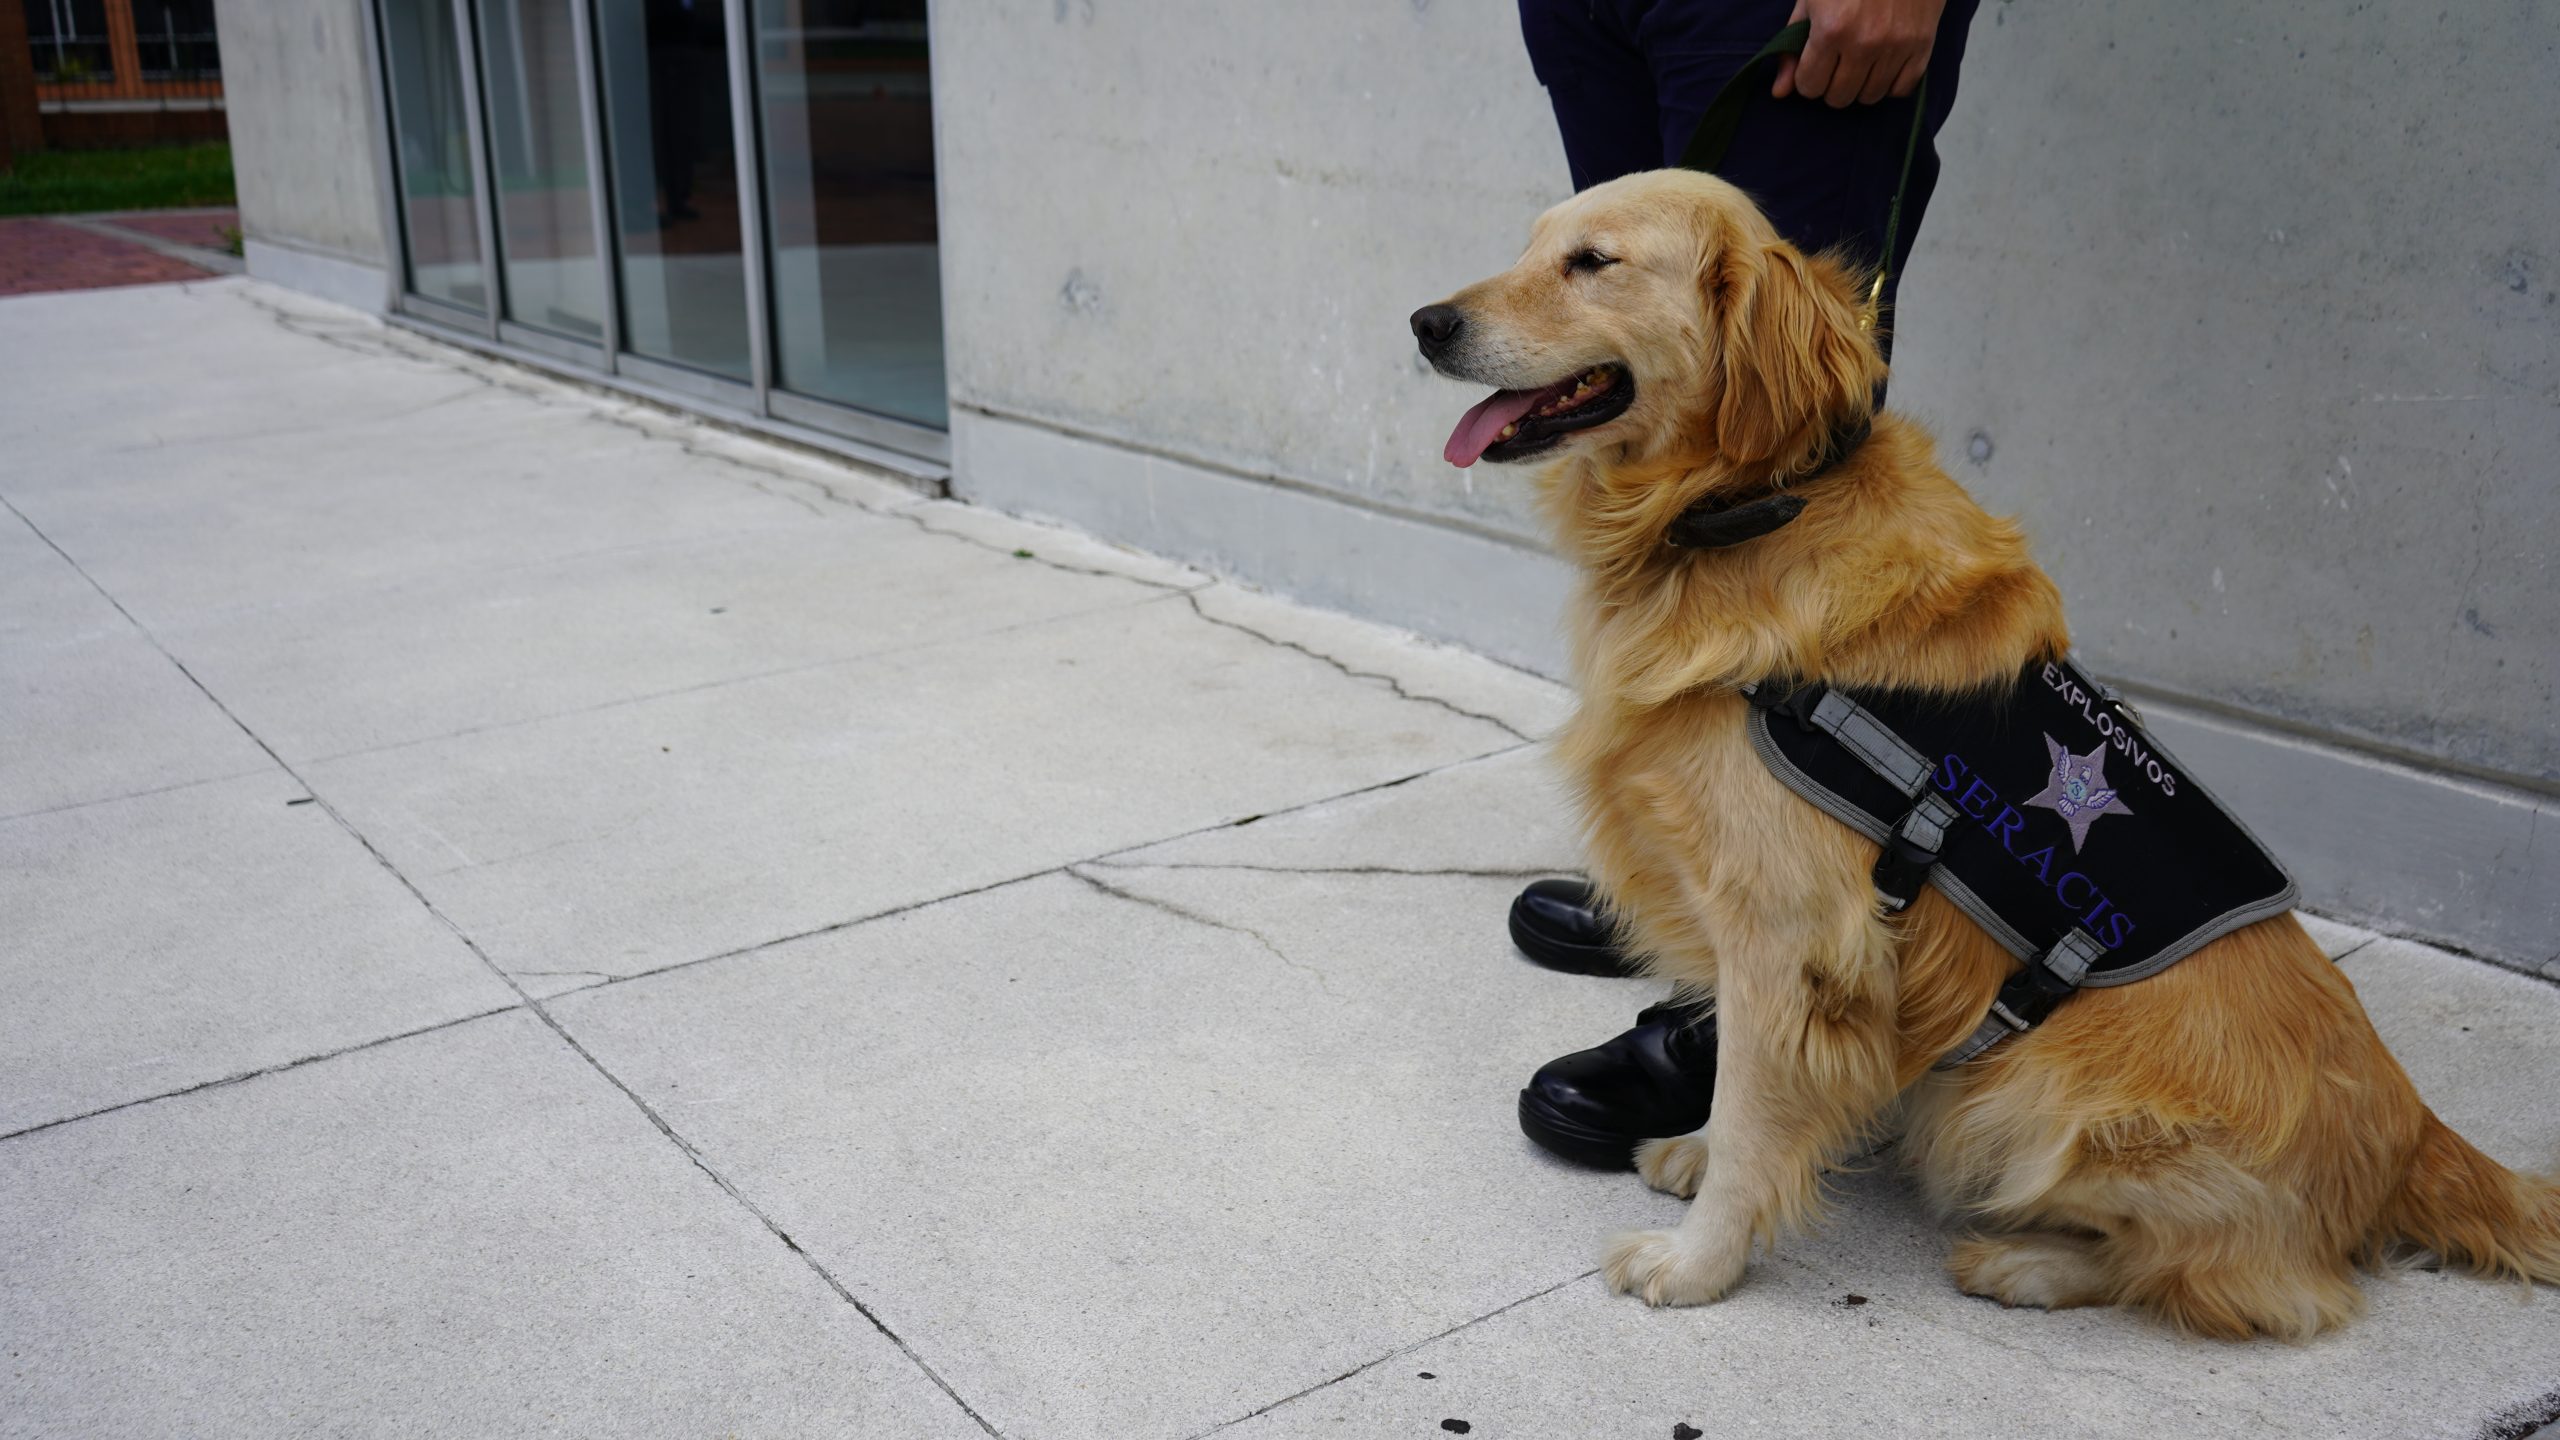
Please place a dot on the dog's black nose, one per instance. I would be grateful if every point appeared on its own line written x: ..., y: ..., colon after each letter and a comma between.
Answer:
x: 1437, y: 325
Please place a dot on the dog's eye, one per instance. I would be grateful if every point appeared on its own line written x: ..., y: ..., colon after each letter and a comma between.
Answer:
x: 1583, y: 262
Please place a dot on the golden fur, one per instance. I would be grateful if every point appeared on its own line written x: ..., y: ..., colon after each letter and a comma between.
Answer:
x: 2219, y: 1145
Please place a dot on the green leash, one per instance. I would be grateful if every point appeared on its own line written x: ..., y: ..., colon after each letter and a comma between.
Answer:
x: 1714, y: 136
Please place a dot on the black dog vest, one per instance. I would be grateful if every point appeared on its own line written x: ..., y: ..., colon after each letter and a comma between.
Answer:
x: 2043, y: 810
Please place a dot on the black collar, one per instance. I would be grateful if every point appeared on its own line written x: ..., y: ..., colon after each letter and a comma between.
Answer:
x: 1722, y: 520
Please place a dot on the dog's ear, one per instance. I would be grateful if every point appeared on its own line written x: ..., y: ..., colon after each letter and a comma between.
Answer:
x: 1790, y: 349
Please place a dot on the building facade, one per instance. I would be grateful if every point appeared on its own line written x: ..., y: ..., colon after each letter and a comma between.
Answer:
x: 2254, y: 324
x: 96, y: 74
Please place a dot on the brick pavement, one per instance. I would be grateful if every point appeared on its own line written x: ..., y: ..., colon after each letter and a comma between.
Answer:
x: 38, y: 255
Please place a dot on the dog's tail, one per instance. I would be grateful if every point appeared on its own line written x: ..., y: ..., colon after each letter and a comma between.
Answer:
x: 2475, y: 1212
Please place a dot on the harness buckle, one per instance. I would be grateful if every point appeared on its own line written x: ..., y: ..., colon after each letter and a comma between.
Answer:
x: 1911, y: 852
x: 1901, y: 870
x: 1794, y: 702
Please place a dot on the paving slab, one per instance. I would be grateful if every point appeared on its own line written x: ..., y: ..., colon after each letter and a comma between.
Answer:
x: 41, y: 594
x: 477, y: 650
x: 462, y: 1233
x: 92, y: 379
x: 2334, y: 937
x: 1132, y: 1157
x: 1857, y: 1331
x: 486, y: 484
x: 1504, y: 817
x: 2482, y: 1044
x: 666, y: 830
x: 209, y: 482
x: 91, y: 709
x: 183, y: 937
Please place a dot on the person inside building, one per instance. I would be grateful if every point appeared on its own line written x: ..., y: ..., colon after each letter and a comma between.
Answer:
x: 1823, y: 154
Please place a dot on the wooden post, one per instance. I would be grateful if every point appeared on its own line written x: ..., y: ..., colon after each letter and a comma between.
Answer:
x: 127, y: 50
x: 21, y: 128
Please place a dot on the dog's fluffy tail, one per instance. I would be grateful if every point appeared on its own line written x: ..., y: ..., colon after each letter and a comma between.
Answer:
x: 2475, y: 1212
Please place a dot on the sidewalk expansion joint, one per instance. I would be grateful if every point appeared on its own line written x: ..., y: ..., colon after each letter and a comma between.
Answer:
x: 1390, y: 681
x: 276, y: 1069
x: 142, y: 794
x: 1366, y: 1366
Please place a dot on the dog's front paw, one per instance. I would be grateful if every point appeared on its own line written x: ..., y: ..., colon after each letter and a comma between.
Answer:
x: 1665, y: 1268
x: 1673, y: 1166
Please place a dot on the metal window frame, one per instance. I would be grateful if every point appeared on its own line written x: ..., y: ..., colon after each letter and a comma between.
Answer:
x: 856, y: 423
x: 562, y: 342
x: 919, y: 453
x: 746, y: 136
x: 558, y: 346
x: 475, y: 129
x: 582, y: 32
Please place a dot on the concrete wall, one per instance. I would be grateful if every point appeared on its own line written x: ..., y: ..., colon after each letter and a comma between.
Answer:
x: 2254, y: 322
x: 303, y: 145
x: 2261, y: 320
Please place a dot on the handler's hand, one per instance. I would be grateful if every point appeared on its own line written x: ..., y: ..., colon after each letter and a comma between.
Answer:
x: 1860, y: 50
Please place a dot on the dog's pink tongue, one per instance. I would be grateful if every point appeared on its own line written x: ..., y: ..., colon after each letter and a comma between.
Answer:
x: 1477, y: 427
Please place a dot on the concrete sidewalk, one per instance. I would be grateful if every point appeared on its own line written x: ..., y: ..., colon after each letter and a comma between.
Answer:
x: 525, y: 915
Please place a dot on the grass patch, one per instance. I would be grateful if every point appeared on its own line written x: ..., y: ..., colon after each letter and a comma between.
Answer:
x: 63, y: 182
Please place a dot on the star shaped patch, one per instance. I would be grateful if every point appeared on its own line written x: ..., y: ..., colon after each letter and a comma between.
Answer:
x: 2078, y: 790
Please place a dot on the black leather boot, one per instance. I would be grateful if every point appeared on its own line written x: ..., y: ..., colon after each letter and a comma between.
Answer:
x: 1559, y: 924
x: 1593, y: 1107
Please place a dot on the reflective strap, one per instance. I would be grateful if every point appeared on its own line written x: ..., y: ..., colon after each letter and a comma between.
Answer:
x: 2030, y: 995
x: 1911, y: 851
x: 1872, y: 741
x: 1926, y: 825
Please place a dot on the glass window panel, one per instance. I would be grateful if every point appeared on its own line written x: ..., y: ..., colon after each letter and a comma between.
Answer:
x: 546, y: 223
x: 434, y: 150
x: 675, y: 182
x: 68, y: 39
x: 175, y: 40
x: 848, y: 169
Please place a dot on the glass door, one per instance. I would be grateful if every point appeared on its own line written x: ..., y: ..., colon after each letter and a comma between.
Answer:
x: 846, y: 100
x: 732, y: 200
x: 438, y: 208
x: 546, y: 219
x: 676, y: 216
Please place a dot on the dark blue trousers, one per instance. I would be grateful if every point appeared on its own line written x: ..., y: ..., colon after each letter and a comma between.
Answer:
x: 1630, y: 78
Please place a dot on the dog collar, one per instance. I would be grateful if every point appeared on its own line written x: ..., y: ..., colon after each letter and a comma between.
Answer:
x: 1719, y: 521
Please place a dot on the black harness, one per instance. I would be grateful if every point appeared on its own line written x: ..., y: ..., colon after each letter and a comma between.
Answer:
x: 2040, y: 807
x: 2043, y: 810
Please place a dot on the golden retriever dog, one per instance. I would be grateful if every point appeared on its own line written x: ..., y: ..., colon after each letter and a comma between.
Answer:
x: 2219, y: 1145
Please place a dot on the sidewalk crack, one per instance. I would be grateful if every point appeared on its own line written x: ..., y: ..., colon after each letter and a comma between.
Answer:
x: 1179, y: 912
x: 1390, y: 681
x: 1454, y: 871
